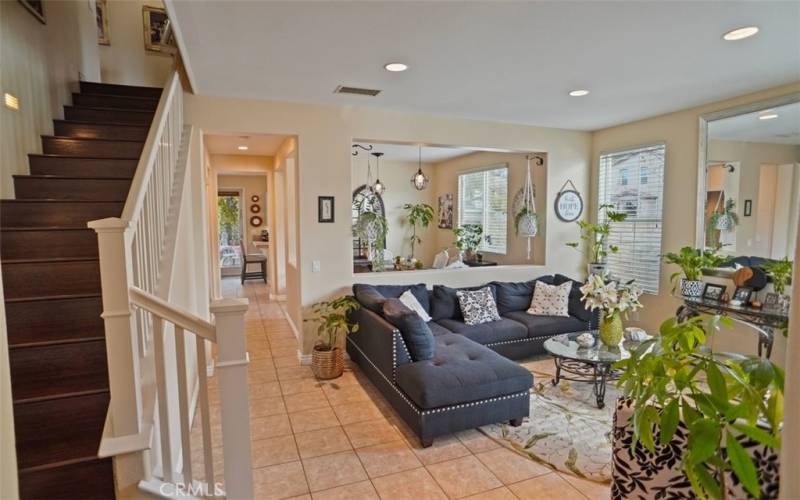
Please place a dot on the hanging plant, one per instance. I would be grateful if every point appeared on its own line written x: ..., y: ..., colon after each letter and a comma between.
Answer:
x: 526, y: 220
x: 526, y: 223
x: 727, y: 219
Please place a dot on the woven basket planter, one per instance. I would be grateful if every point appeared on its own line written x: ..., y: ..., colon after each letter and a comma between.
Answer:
x: 327, y: 364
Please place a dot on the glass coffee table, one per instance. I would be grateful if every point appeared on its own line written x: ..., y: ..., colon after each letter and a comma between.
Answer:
x: 587, y: 364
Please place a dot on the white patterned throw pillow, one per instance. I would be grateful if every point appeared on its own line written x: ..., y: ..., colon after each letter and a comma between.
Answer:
x: 478, y: 306
x: 550, y: 300
x: 412, y: 303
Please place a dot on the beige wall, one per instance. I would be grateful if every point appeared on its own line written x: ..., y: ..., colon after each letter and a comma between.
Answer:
x: 680, y: 133
x: 126, y: 61
x: 41, y: 65
x: 324, y: 136
x: 446, y: 181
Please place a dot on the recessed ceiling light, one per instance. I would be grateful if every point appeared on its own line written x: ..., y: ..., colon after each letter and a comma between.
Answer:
x: 740, y: 33
x: 243, y: 148
x: 768, y: 116
x: 579, y: 93
x: 396, y: 67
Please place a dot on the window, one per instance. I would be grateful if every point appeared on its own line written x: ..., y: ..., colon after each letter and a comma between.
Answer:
x: 639, y: 236
x: 483, y: 199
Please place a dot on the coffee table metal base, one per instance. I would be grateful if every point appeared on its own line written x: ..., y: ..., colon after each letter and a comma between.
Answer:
x: 598, y: 374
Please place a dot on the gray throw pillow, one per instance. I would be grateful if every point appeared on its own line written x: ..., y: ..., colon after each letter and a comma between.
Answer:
x: 416, y: 333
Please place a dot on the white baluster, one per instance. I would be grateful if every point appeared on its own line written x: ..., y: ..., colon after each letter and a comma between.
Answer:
x: 183, y: 405
x: 205, y: 423
x: 168, y: 472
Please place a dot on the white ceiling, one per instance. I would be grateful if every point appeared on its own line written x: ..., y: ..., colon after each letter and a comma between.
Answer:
x: 509, y: 61
x: 410, y: 152
x: 258, y: 145
x: 785, y: 129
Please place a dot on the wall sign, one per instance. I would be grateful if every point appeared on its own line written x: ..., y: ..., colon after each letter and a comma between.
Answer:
x: 569, y: 204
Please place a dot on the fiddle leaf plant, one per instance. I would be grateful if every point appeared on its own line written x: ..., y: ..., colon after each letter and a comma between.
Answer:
x: 332, y: 318
x: 781, y: 272
x: 597, y: 234
x: 419, y: 214
x: 676, y: 378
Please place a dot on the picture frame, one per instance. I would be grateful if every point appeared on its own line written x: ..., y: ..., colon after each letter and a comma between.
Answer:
x: 445, y: 212
x: 156, y: 30
x: 256, y: 221
x: 748, y: 208
x: 325, y: 209
x: 255, y: 198
x: 255, y: 208
x: 772, y: 302
x: 35, y: 7
x: 101, y: 11
x: 714, y: 292
x: 742, y: 294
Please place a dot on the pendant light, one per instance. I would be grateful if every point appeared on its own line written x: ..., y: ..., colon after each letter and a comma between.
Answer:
x: 379, y: 188
x: 420, y: 180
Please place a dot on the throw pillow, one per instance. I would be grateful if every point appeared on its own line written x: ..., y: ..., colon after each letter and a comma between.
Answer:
x: 478, y: 306
x: 412, y: 303
x: 550, y: 300
x: 416, y: 334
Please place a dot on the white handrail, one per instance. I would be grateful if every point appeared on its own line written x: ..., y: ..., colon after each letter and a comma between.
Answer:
x: 175, y: 315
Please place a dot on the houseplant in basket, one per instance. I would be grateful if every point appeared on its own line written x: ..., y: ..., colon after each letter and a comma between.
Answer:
x: 468, y: 239
x: 716, y: 414
x: 327, y: 359
x: 597, y: 237
x: 614, y: 301
x: 692, y: 261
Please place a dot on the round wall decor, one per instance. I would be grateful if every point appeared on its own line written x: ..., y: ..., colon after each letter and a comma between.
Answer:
x: 256, y: 221
x: 254, y: 198
x: 255, y: 208
x: 569, y: 204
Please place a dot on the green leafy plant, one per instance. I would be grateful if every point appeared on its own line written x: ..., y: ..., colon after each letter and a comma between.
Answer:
x: 676, y: 378
x: 597, y: 234
x: 468, y: 237
x: 228, y: 219
x: 522, y: 214
x: 692, y: 261
x: 333, y: 320
x: 373, y: 228
x: 781, y: 271
x: 419, y: 214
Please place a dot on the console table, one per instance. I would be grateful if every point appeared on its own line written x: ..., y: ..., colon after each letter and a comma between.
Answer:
x: 763, y: 321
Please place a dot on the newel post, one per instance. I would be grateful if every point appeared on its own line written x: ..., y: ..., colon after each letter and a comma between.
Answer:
x: 232, y: 365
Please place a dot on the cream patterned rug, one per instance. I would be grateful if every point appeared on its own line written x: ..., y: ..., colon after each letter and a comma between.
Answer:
x: 566, y: 430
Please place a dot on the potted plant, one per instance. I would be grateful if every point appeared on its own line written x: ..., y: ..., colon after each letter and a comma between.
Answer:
x: 676, y: 380
x: 327, y: 360
x: 692, y: 261
x: 373, y: 228
x: 614, y: 301
x: 421, y: 214
x: 726, y: 219
x: 468, y: 238
x: 781, y: 273
x: 526, y: 222
x: 597, y: 236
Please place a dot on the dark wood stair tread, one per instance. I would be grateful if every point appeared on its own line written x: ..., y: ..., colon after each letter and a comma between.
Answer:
x: 119, y: 89
x: 53, y: 297
x: 11, y: 347
x: 71, y: 177
x: 73, y: 138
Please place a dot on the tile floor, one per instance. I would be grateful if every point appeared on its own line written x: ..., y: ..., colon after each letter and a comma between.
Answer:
x: 339, y: 439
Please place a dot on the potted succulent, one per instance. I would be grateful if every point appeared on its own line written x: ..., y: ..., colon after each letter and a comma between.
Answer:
x: 597, y: 236
x: 332, y: 317
x: 373, y: 228
x: 468, y: 239
x: 419, y: 214
x: 692, y: 261
x: 677, y: 380
x: 614, y: 301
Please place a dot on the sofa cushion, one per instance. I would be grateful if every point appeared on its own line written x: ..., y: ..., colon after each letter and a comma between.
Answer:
x: 551, y: 300
x: 460, y: 372
x: 576, y: 306
x: 438, y: 329
x: 444, y: 301
x: 545, y: 326
x: 487, y: 333
x: 416, y: 334
x: 372, y: 296
x: 477, y: 306
x: 516, y: 296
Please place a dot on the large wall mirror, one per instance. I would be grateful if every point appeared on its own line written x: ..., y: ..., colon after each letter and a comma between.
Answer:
x: 749, y: 179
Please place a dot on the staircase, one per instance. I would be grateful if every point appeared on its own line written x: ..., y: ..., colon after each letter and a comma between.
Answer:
x: 51, y: 279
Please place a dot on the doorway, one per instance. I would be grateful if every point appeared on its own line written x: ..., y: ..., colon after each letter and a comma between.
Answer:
x: 230, y: 230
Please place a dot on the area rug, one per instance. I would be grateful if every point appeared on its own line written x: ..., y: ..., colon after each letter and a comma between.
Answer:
x: 566, y: 430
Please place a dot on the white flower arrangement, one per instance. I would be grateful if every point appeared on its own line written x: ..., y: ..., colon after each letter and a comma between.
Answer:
x: 610, y: 297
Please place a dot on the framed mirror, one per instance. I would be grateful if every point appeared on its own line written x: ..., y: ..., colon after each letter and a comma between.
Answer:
x: 748, y: 199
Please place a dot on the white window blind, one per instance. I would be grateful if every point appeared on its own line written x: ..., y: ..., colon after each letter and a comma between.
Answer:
x: 483, y: 199
x: 632, y: 181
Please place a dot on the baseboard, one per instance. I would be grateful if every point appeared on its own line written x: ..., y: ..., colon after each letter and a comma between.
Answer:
x: 295, y: 331
x: 304, y: 359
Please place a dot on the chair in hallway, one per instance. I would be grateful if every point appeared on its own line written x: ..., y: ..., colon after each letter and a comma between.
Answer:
x: 253, y: 258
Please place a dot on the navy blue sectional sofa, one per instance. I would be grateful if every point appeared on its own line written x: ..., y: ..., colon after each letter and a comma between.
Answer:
x: 470, y: 380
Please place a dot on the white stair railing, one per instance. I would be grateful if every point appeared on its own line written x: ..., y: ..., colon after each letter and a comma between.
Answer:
x: 144, y: 332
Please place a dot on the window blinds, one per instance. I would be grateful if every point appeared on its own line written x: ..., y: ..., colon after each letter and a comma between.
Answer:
x: 632, y: 181
x: 483, y: 200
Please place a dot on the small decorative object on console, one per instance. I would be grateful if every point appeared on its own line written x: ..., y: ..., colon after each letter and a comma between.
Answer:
x: 585, y: 340
x: 742, y: 294
x: 613, y: 301
x: 714, y: 291
x: 636, y: 334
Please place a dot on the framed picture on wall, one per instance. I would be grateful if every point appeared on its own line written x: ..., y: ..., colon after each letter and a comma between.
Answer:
x: 445, y: 215
x: 35, y: 7
x: 101, y: 8
x: 325, y: 209
x: 748, y: 208
x: 157, y: 30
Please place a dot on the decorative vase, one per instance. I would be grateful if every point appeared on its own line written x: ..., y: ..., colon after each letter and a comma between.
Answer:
x: 692, y: 288
x: 598, y: 268
x: 327, y: 364
x: 611, y: 329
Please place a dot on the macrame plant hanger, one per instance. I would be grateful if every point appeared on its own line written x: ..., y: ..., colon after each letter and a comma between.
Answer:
x: 529, y: 205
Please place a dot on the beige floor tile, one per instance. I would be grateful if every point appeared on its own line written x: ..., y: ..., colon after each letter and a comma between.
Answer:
x: 272, y: 426
x: 322, y: 442
x: 415, y: 484
x: 443, y: 448
x: 547, y: 487
x: 259, y: 354
x: 356, y: 491
x: 283, y: 343
x: 264, y: 390
x: 371, y: 432
x: 329, y: 471
x: 261, y: 364
x: 273, y: 451
x: 279, y: 352
x: 311, y: 420
x: 357, y: 412
x: 463, y: 477
x: 341, y: 395
x: 591, y: 489
x: 261, y: 376
x: 265, y: 407
x: 283, y: 361
x: 299, y: 385
x: 476, y: 441
x: 294, y: 372
x: 511, y: 467
x: 305, y: 401
x: 279, y: 481
x: 498, y: 494
x: 387, y: 458
x: 347, y: 378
